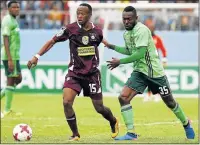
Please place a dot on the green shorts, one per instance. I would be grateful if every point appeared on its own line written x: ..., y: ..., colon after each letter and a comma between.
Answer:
x: 17, y: 68
x: 139, y: 81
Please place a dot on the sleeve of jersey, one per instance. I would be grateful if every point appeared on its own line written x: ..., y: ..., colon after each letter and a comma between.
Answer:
x: 141, y: 38
x: 140, y: 53
x: 122, y: 50
x: 6, y: 27
x: 62, y: 35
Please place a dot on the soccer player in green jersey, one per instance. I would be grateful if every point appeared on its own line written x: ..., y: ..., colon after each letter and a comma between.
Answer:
x: 147, y: 71
x: 10, y: 47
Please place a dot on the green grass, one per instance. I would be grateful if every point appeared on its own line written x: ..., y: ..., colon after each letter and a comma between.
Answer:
x: 44, y: 113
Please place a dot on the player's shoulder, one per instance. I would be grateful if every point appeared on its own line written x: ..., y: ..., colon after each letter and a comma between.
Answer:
x: 141, y: 28
x: 6, y: 19
x: 71, y: 26
x: 97, y: 28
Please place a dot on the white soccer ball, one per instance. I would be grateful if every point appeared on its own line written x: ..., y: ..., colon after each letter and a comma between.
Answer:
x: 22, y: 132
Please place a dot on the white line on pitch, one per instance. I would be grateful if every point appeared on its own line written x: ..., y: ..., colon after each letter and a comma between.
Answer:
x: 140, y: 124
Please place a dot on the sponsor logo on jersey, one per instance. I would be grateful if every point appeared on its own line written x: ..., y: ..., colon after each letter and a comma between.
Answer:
x: 92, y: 36
x: 85, y: 51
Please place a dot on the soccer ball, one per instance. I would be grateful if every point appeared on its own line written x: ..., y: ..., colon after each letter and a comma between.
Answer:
x: 22, y: 132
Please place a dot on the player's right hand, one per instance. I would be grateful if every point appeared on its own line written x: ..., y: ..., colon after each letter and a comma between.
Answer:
x: 32, y: 63
x: 10, y: 66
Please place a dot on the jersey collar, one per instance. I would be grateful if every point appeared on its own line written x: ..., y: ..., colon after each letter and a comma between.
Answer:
x: 81, y: 26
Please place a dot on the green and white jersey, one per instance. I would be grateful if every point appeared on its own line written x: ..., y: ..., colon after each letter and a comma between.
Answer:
x: 10, y: 27
x: 140, y: 36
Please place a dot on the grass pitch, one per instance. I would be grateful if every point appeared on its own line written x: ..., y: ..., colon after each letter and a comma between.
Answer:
x: 154, y: 122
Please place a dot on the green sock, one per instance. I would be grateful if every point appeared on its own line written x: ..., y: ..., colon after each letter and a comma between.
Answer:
x: 9, y: 97
x: 3, y: 93
x: 180, y: 114
x: 127, y: 114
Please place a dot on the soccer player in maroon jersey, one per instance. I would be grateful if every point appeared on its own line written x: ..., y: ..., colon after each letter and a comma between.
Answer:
x: 84, y: 39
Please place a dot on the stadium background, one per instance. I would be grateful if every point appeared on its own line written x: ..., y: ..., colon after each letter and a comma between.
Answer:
x: 40, y: 20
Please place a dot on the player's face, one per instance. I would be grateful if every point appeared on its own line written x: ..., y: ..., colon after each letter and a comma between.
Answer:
x: 14, y: 9
x: 83, y: 15
x: 129, y: 20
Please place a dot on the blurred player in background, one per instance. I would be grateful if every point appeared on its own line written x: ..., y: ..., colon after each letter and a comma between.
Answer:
x: 84, y: 39
x: 147, y: 71
x: 10, y: 53
x: 161, y: 48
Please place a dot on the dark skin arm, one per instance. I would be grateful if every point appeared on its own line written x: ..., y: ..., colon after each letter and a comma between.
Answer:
x: 108, y: 45
x: 6, y: 44
x: 46, y: 47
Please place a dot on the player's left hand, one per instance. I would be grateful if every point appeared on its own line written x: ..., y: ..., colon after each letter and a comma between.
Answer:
x: 115, y: 62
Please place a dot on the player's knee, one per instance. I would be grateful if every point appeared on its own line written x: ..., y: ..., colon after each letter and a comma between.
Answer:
x: 66, y: 102
x: 18, y: 81
x: 123, y: 99
x: 170, y: 102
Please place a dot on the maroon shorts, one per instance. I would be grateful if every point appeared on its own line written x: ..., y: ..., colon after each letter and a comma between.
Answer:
x: 90, y: 84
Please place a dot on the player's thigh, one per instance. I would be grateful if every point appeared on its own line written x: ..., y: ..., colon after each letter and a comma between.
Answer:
x: 92, y: 86
x: 160, y: 86
x: 71, y: 88
x: 73, y: 83
x: 136, y: 82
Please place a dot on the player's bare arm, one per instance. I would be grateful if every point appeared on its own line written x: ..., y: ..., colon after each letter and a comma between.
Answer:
x: 33, y: 62
x: 119, y: 49
x: 108, y: 45
x: 6, y: 44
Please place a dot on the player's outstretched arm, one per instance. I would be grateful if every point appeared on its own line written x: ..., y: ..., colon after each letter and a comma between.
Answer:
x: 33, y: 62
x: 135, y: 56
x: 122, y: 50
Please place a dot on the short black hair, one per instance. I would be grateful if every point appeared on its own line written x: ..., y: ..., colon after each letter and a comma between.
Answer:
x: 87, y: 5
x: 130, y: 9
x: 11, y: 2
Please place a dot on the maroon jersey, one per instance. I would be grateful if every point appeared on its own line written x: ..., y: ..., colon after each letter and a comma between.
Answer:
x: 84, y: 54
